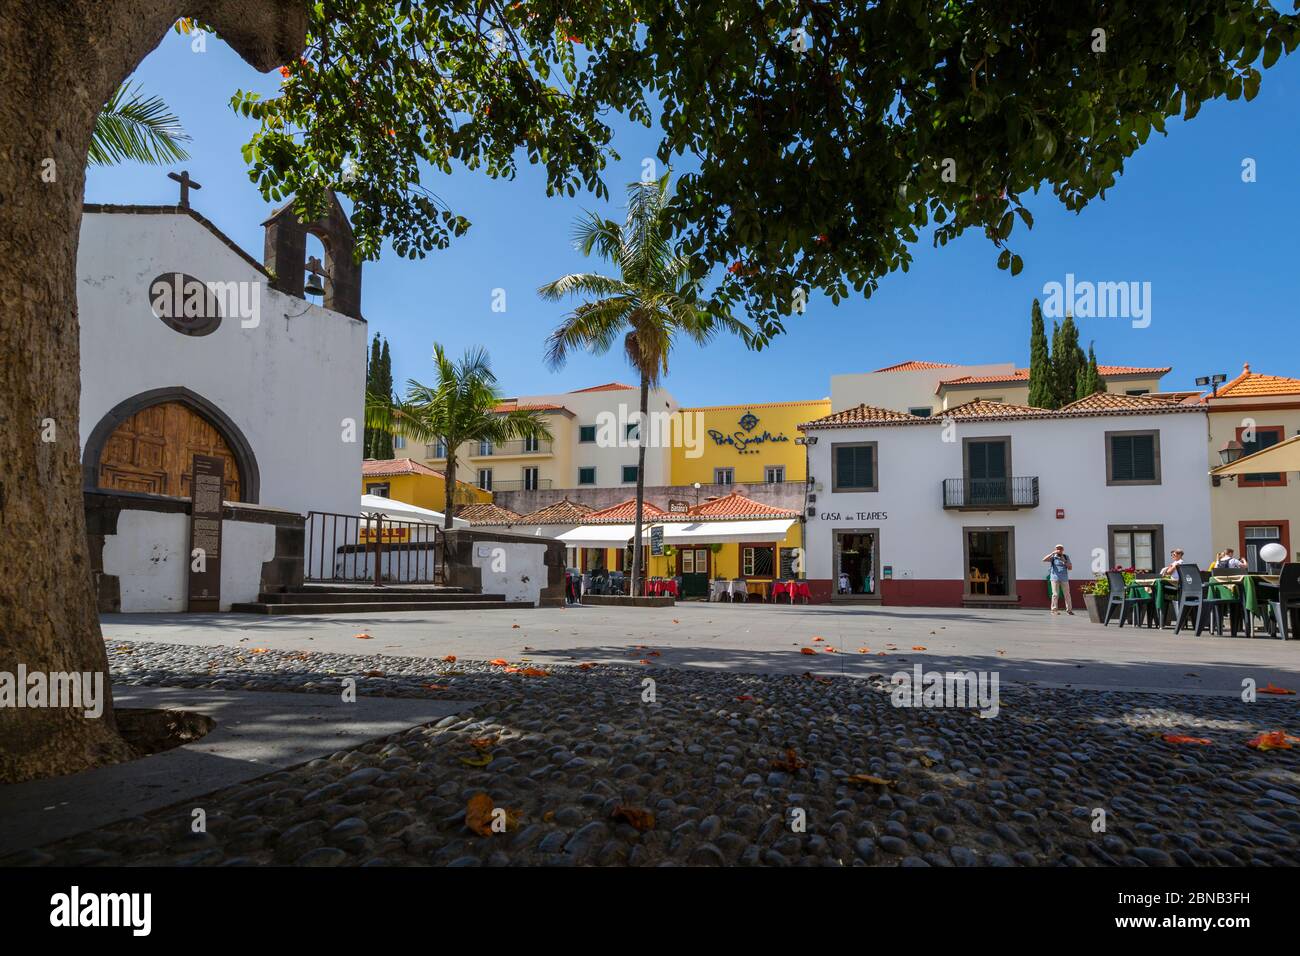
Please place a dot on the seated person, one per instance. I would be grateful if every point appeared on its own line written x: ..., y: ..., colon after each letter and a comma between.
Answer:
x: 1227, y: 561
x: 1170, y: 570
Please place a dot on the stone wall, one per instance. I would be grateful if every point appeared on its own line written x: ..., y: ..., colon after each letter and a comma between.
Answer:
x: 522, y: 568
x: 139, y: 551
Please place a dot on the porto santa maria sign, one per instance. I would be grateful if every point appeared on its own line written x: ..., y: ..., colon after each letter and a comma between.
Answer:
x: 743, y: 438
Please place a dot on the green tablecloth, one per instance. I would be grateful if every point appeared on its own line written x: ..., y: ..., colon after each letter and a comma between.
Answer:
x: 1250, y: 589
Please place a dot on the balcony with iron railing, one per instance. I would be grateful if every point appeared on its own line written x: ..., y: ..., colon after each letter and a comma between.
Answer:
x: 990, y: 494
x: 517, y: 484
x: 509, y: 449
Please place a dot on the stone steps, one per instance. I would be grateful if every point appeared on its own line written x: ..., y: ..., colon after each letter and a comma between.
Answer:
x: 366, y: 599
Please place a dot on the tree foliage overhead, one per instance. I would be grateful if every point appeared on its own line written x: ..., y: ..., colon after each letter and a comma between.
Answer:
x: 829, y: 135
x: 135, y: 127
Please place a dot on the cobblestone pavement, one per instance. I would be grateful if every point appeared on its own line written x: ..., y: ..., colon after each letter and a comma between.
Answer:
x: 728, y: 764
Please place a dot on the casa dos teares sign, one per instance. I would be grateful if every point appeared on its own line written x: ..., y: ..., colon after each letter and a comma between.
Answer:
x: 746, y: 436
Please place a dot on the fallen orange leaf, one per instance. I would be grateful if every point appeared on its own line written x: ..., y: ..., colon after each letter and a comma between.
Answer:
x: 830, y: 649
x: 482, y: 743
x: 478, y: 814
x: 864, y: 650
x: 1273, y: 740
x: 1181, y: 739
x: 807, y: 650
x: 514, y: 627
x: 586, y: 667
x: 437, y: 687
x: 535, y: 672
x: 450, y: 659
x: 818, y: 639
x: 636, y: 817
x: 1270, y: 689
x: 499, y: 662
x: 744, y: 697
x: 790, y: 763
x: 363, y: 636
x: 918, y: 647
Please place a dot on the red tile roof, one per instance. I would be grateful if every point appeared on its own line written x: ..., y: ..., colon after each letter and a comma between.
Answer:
x: 734, y: 506
x: 510, y: 405
x: 1108, y: 401
x: 486, y: 513
x: 859, y: 415
x: 561, y: 512
x: 1022, y: 375
x: 384, y: 467
x: 983, y: 408
x: 1252, y: 384
x: 915, y: 366
x: 624, y: 513
x: 607, y: 387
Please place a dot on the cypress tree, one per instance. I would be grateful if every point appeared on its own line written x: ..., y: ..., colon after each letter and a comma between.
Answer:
x: 1040, y: 361
x: 1067, y: 360
x: 372, y: 368
x: 384, y: 386
x: 1090, y: 380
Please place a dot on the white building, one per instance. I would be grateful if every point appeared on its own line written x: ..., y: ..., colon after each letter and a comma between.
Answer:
x: 190, y: 345
x: 961, y: 508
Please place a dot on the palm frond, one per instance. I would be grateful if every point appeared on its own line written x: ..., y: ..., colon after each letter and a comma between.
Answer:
x: 138, y: 128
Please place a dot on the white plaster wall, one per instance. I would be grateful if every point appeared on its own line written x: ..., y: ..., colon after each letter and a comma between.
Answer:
x: 901, y: 390
x: 921, y: 540
x: 514, y: 569
x: 150, y: 557
x: 289, y: 383
x: 609, y: 462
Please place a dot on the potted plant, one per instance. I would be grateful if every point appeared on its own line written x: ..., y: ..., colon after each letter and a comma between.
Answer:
x: 1095, y: 595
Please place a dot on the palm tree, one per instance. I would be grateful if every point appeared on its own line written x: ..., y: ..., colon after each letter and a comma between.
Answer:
x: 652, y: 303
x: 139, y: 128
x: 460, y: 407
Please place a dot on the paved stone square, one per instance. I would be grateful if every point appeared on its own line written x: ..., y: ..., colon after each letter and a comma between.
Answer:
x: 745, y: 737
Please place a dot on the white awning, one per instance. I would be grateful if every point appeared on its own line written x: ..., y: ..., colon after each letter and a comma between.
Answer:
x: 710, y: 532
x: 598, y: 535
x: 401, y: 511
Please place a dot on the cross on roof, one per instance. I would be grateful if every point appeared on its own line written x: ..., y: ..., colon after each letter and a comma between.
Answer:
x: 186, y: 185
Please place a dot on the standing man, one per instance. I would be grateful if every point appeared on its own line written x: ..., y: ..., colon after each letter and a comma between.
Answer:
x: 1058, y: 576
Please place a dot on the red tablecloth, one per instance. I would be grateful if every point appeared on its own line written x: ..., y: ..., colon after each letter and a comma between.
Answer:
x: 656, y: 588
x: 801, y: 590
x: 783, y: 587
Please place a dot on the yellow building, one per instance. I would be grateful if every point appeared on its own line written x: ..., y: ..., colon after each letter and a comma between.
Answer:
x: 1247, y: 512
x: 745, y: 444
x: 414, y: 483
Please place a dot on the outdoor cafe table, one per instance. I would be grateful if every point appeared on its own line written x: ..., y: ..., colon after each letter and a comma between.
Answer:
x: 1245, y: 588
x: 754, y: 586
x: 792, y: 589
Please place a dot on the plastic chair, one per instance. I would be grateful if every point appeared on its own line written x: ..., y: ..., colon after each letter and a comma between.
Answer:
x: 1288, y: 599
x: 1191, y: 597
x: 1120, y: 599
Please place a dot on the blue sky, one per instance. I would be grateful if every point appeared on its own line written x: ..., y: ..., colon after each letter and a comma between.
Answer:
x: 1220, y: 255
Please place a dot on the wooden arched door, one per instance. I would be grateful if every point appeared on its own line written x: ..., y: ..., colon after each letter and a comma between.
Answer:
x: 153, y: 450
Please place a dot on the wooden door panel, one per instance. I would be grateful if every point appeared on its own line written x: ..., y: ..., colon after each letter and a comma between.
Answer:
x: 152, y: 452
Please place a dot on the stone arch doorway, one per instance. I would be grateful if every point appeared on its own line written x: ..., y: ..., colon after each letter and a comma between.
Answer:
x: 147, y: 443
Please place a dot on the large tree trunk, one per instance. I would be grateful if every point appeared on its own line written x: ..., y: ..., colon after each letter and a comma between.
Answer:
x: 641, y: 431
x: 59, y: 62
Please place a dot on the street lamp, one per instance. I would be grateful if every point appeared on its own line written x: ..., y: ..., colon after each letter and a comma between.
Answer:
x: 1231, y: 451
x: 1213, y: 381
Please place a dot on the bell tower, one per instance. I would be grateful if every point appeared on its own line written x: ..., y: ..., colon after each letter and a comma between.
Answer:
x: 285, y: 254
